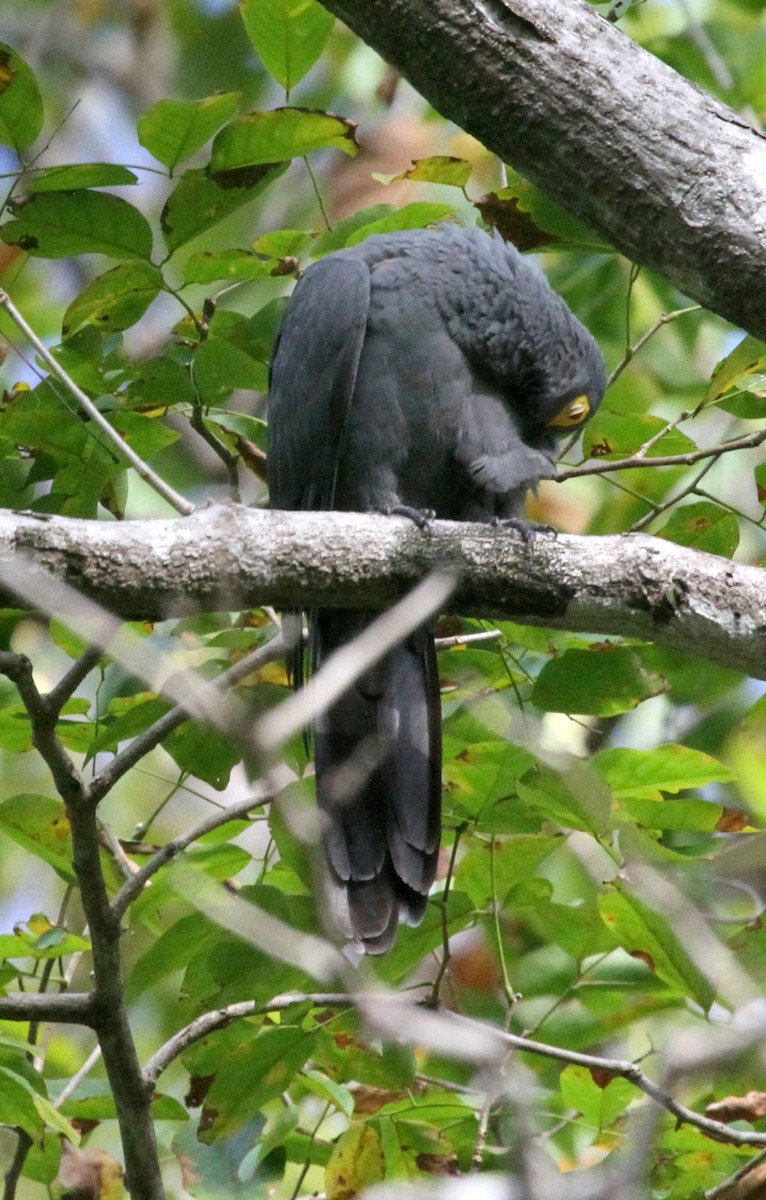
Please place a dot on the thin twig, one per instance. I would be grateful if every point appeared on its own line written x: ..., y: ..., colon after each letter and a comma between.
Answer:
x: 436, y: 988
x: 721, y: 1188
x: 658, y: 509
x: 133, y: 887
x: 632, y: 351
x: 748, y: 442
x: 510, y: 996
x: 467, y: 639
x: 104, y: 781
x: 178, y: 502
x: 57, y: 697
x: 72, y: 1084
x: 716, y: 1130
x: 229, y: 460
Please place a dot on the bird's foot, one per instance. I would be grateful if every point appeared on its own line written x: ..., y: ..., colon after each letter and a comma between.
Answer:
x: 527, y: 530
x: 422, y: 517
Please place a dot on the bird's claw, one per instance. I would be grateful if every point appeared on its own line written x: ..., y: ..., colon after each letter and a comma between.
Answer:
x: 422, y: 517
x: 527, y: 530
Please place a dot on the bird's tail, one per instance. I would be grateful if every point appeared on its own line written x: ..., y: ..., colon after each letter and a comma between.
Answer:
x: 378, y: 766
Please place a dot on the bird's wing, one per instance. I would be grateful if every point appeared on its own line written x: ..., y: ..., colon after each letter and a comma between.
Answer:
x: 312, y: 380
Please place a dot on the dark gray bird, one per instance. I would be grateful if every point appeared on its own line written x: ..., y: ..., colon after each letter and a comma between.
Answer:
x: 431, y: 369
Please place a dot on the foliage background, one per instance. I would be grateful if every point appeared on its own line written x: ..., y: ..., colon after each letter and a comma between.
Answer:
x: 621, y: 900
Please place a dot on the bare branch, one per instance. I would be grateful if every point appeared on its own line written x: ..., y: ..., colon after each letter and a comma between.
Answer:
x: 179, y: 503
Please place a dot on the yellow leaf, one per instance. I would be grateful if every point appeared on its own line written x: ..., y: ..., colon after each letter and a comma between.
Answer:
x: 355, y: 1163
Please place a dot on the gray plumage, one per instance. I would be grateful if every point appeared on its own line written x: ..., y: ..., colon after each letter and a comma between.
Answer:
x: 421, y: 369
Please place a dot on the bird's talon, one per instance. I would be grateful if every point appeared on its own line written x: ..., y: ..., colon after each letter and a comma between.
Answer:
x: 527, y: 530
x: 422, y: 517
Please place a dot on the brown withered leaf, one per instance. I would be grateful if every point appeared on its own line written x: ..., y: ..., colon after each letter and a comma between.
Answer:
x: 750, y: 1107
x: 732, y: 820
x: 438, y: 1164
x: 512, y: 223
x: 89, y: 1174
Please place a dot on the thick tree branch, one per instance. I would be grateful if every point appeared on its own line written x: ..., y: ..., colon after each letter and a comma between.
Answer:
x: 669, y: 175
x: 69, y: 1008
x: 227, y: 556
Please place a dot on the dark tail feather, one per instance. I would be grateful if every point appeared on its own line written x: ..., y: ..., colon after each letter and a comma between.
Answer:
x: 378, y: 765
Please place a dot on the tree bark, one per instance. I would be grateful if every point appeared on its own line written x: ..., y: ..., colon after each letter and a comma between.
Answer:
x: 669, y: 175
x: 226, y: 556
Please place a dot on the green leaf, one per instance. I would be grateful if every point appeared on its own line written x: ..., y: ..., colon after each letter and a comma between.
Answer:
x: 15, y: 729
x: 17, y: 1103
x: 356, y: 1163
x: 338, y: 1095
x: 142, y: 711
x: 21, y: 104
x: 115, y: 300
x: 437, y: 168
x: 747, y: 358
x: 599, y: 1103
x: 41, y: 826
x: 281, y: 133
x: 479, y: 773
x: 604, y: 681
x: 698, y: 815
x: 144, y: 434
x: 418, y: 215
x: 79, y: 175
x: 203, y: 751
x: 511, y: 860
x: 576, y: 799
x: 63, y: 224
x: 210, y: 265
x: 173, y: 130
x: 288, y: 35
x: 647, y: 935
x: 647, y: 774
x: 171, y: 952
x: 200, y: 200
x: 253, y: 428
x: 703, y: 526
x: 219, y: 367
x: 92, y: 1103
x: 283, y: 243
x: 620, y: 434
x: 338, y: 237
x: 160, y: 383
x: 254, y: 1074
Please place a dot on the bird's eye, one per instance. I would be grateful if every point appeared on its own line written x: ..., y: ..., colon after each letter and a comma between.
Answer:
x: 573, y: 413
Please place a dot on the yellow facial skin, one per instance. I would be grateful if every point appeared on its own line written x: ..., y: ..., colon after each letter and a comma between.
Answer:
x: 573, y: 413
